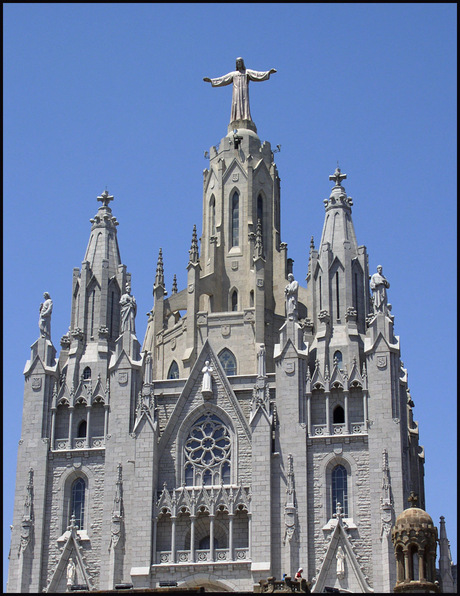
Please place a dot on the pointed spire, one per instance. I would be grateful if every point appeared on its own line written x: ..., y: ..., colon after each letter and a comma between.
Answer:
x: 174, y: 286
x: 194, y: 255
x: 160, y: 275
x: 312, y: 244
x: 259, y: 245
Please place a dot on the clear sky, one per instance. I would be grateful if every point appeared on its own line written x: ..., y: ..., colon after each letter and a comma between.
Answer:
x: 111, y: 95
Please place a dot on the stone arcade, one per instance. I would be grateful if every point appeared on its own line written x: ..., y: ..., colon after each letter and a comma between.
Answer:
x: 261, y: 427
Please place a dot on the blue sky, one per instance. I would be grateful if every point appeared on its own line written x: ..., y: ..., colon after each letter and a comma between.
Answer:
x: 111, y: 95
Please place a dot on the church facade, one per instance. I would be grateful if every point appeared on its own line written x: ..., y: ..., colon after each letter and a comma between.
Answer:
x: 261, y: 427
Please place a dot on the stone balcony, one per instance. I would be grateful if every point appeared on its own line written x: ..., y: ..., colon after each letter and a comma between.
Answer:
x: 79, y: 443
x: 321, y: 430
x: 221, y: 555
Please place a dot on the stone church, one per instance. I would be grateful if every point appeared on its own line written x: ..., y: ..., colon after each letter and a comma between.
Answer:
x: 261, y: 427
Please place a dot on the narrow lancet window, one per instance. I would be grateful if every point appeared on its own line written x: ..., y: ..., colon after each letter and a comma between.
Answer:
x: 337, y: 291
x: 77, y: 507
x: 234, y: 301
x: 212, y: 217
x: 340, y: 489
x: 235, y: 219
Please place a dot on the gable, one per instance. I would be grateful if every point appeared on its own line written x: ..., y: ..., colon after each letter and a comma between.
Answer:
x: 193, y: 403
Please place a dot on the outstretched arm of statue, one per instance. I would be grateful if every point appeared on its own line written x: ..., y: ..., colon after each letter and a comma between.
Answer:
x: 220, y: 81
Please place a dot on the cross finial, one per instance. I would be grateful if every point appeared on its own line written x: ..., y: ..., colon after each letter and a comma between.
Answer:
x: 105, y: 198
x: 413, y: 499
x: 337, y: 176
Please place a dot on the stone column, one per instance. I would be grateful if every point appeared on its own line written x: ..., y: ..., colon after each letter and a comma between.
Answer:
x: 328, y: 421
x: 406, y: 565
x: 345, y: 403
x: 173, y: 539
x: 211, y: 537
x: 154, y: 540
x: 71, y: 408
x: 53, y: 425
x: 421, y: 573
x: 309, y: 414
x: 250, y: 535
x: 230, y: 535
x: 192, y: 538
x: 366, y: 415
x: 106, y: 421
x: 88, y: 420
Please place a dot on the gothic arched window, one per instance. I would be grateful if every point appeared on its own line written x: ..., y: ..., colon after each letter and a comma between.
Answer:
x: 81, y: 432
x: 228, y: 361
x: 77, y: 502
x: 173, y: 372
x: 338, y: 416
x: 338, y: 357
x: 340, y: 489
x: 234, y: 300
x: 207, y: 452
x: 87, y: 373
x: 212, y: 216
x: 235, y: 219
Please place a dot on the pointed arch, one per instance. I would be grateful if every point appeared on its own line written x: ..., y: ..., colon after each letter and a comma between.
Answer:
x: 338, y: 415
x: 173, y: 372
x: 234, y: 300
x: 212, y: 216
x: 228, y: 362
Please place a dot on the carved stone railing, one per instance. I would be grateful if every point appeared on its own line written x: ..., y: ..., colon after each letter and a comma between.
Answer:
x: 61, y: 444
x: 78, y: 443
x: 339, y: 429
x: 355, y: 428
x: 202, y: 556
x: 241, y: 554
x: 319, y: 430
x: 183, y: 556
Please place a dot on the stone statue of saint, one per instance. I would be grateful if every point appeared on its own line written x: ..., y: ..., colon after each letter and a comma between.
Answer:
x: 71, y: 572
x: 44, y: 322
x: 240, y: 79
x: 127, y: 311
x: 291, y: 292
x: 206, y: 386
x: 340, y: 556
x: 379, y: 285
x: 261, y: 370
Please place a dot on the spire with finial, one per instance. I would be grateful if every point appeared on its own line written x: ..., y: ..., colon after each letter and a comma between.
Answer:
x: 337, y: 176
x: 194, y: 256
x: 105, y: 198
x: 259, y: 245
x: 160, y: 275
x: 174, y: 285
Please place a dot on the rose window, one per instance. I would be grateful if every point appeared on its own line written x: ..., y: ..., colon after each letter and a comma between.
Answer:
x: 207, y: 452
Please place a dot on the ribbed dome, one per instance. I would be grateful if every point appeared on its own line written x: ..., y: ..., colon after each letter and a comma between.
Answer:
x: 414, y: 517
